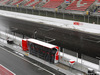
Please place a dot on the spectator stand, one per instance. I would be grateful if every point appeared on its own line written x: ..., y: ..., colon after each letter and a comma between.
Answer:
x: 2, y: 1
x: 34, y: 4
x: 98, y: 6
x: 28, y: 2
x: 80, y: 5
x: 18, y: 2
x: 53, y: 4
x: 13, y: 1
x: 5, y: 2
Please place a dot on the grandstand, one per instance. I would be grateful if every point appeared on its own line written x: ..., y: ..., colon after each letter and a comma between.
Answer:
x: 98, y: 1
x: 29, y: 2
x: 80, y: 5
x: 98, y: 6
x: 67, y: 9
x: 98, y: 10
x: 77, y: 5
x: 13, y: 1
x: 53, y: 3
x: 1, y: 1
x: 35, y: 3
x: 17, y: 2
x: 5, y: 2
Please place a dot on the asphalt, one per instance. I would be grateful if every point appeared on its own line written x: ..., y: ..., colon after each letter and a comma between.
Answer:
x: 57, y: 69
x: 81, y: 42
x: 23, y: 65
x: 19, y: 66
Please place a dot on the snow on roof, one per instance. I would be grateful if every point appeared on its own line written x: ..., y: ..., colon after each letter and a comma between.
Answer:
x: 85, y: 27
x: 42, y: 43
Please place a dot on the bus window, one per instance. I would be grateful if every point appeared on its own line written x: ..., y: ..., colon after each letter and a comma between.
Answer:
x: 43, y: 50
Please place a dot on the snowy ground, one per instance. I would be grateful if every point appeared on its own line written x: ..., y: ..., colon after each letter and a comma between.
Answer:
x: 68, y: 57
x: 82, y: 26
x: 81, y: 61
x: 86, y: 27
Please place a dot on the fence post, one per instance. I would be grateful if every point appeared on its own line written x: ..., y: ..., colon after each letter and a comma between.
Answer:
x: 39, y: 12
x: 63, y: 53
x: 73, y: 16
x: 77, y: 57
x: 97, y: 20
x: 32, y: 11
x: 11, y: 8
x: 63, y: 15
x: 26, y: 10
x: 84, y: 18
x: 88, y: 19
x: 46, y: 13
x: 6, y: 7
x: 55, y: 14
x: 20, y: 9
x: 81, y: 61
x: 99, y: 62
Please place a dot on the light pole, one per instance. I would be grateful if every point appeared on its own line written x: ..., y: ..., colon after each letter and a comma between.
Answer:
x: 13, y: 29
x: 35, y: 34
x: 99, y: 61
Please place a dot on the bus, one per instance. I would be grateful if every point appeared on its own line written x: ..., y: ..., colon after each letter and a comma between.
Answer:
x: 41, y: 49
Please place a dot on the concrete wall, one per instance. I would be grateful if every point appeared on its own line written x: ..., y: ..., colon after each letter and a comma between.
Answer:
x: 6, y: 36
x: 80, y: 64
x: 64, y: 60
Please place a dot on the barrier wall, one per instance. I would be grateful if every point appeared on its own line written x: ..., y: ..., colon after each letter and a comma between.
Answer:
x: 65, y: 60
x: 15, y: 39
x: 79, y: 64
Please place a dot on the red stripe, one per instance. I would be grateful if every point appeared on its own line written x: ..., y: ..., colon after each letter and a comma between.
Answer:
x: 4, y: 71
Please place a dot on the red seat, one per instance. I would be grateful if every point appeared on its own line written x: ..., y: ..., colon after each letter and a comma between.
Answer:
x: 53, y: 3
x: 73, y: 6
x: 35, y: 3
x: 99, y: 11
x: 98, y: 1
x: 17, y: 2
x: 5, y: 2
x: 1, y: 1
x: 28, y: 2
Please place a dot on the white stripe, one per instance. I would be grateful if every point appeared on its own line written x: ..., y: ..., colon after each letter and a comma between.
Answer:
x: 29, y: 62
x: 19, y: 53
x: 8, y: 69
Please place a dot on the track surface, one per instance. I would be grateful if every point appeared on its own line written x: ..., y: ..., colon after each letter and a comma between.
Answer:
x: 5, y: 71
x: 18, y: 65
x: 83, y: 43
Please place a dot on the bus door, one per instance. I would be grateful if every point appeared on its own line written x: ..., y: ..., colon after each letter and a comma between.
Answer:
x: 53, y: 53
x: 31, y: 48
x: 47, y: 54
x: 24, y: 45
x: 56, y: 57
x: 36, y: 49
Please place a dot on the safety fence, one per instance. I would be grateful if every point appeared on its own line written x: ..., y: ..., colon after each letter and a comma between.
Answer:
x: 63, y: 15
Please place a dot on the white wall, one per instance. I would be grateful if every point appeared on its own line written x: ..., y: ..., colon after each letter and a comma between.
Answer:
x: 16, y: 39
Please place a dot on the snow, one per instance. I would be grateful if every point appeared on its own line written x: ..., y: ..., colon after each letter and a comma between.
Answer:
x: 10, y: 36
x: 81, y: 61
x: 42, y: 43
x: 67, y: 56
x: 86, y: 27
